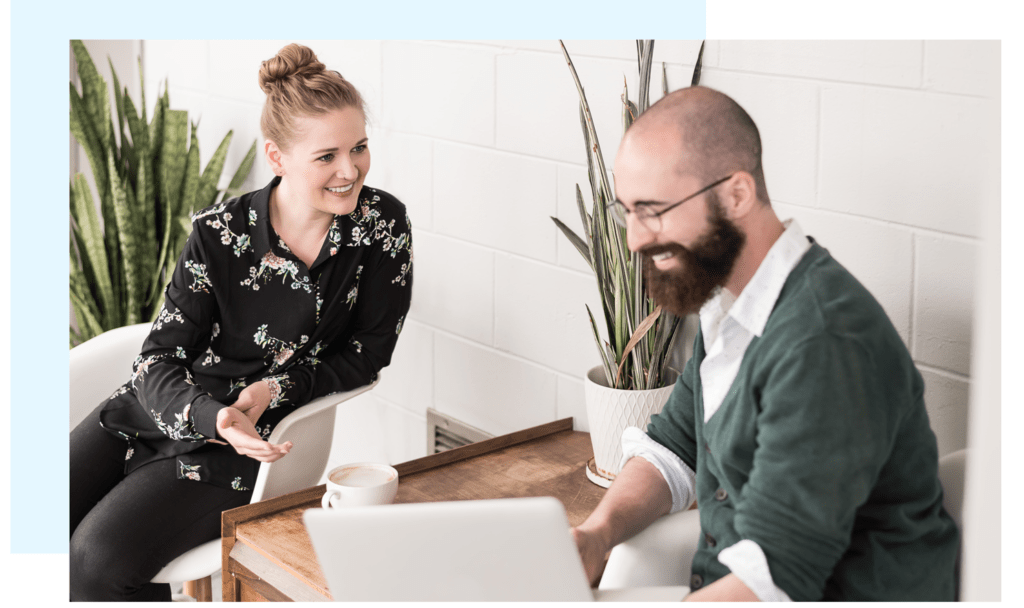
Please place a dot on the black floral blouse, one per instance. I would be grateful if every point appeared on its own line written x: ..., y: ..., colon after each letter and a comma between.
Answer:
x: 241, y: 307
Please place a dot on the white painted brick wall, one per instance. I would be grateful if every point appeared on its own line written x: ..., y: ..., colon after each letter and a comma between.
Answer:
x: 881, y: 150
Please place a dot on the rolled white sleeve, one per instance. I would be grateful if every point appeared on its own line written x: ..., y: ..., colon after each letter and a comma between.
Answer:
x: 680, y: 478
x: 748, y: 563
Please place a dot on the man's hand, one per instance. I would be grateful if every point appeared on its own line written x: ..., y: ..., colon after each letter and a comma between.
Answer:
x: 593, y: 550
x: 235, y: 427
x: 253, y: 400
x: 638, y: 496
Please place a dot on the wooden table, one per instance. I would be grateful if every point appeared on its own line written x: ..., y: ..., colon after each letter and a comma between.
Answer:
x: 267, y: 554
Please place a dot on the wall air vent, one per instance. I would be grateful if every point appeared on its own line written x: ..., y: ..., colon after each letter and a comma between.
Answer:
x: 445, y: 433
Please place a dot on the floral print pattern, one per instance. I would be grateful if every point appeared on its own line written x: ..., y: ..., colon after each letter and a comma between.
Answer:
x: 188, y: 471
x: 200, y: 282
x: 280, y: 350
x: 214, y: 210
x: 371, y: 228
x: 167, y: 317
x: 240, y: 242
x: 277, y: 385
x: 334, y: 236
x: 181, y: 430
x: 272, y: 264
x: 240, y: 307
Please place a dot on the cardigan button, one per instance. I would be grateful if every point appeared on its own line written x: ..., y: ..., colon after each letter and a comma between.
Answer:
x: 696, y: 581
x: 706, y: 447
x: 710, y: 540
x: 721, y: 494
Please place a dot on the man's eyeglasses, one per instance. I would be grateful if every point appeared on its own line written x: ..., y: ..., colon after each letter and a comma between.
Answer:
x: 649, y: 218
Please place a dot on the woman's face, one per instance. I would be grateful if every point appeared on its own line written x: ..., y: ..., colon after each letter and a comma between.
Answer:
x: 327, y: 163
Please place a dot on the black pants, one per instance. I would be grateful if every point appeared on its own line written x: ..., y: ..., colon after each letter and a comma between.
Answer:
x: 125, y: 529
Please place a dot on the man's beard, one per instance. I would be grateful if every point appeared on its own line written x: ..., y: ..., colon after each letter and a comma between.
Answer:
x: 702, y: 269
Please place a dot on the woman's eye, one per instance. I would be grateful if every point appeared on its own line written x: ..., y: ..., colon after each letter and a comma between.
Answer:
x: 359, y: 149
x: 327, y: 157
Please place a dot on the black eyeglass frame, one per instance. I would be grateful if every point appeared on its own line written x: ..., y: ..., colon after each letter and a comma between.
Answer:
x: 619, y: 212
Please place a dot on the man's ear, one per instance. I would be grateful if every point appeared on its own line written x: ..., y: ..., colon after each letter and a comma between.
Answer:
x: 273, y: 155
x: 740, y: 195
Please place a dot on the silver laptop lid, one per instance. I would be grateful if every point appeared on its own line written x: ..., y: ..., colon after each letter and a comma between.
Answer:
x: 514, y: 549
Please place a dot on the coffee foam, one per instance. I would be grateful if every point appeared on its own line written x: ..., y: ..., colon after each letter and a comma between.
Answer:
x: 361, y: 477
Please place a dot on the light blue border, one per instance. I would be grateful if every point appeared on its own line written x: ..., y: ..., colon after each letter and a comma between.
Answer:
x: 39, y: 165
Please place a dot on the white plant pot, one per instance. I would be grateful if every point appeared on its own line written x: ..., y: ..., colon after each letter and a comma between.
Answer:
x: 609, y: 412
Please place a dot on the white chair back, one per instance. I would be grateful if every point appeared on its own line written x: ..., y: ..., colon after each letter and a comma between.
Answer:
x: 98, y: 366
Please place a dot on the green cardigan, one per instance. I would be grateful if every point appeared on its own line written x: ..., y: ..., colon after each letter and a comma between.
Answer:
x: 821, y: 452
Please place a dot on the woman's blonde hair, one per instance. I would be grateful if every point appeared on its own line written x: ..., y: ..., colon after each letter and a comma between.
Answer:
x: 297, y: 84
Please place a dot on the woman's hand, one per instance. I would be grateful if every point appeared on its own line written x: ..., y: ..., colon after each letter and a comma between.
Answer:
x: 234, y: 426
x: 253, y: 400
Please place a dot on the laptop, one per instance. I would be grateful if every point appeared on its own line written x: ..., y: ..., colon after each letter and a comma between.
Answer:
x: 511, y: 549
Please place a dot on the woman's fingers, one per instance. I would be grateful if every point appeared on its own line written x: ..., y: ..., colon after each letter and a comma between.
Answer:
x: 251, y: 445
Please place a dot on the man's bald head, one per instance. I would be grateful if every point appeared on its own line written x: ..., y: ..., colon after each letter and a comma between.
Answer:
x: 716, y: 136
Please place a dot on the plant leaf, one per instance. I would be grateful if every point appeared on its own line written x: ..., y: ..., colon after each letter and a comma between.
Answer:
x: 94, y: 93
x: 589, y: 120
x: 243, y: 169
x: 130, y: 236
x: 640, y: 332
x: 192, y: 178
x: 92, y: 251
x: 173, y: 157
x: 84, y: 132
x: 607, y: 359
x: 697, y: 67
x: 207, y: 194
x: 576, y: 241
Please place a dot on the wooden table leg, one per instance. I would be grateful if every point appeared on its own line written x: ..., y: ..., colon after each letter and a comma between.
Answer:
x: 201, y: 589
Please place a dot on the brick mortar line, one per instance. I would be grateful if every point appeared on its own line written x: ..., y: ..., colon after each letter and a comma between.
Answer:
x: 923, y: 230
x: 945, y: 373
x: 870, y: 85
x: 519, y: 256
x: 491, y: 349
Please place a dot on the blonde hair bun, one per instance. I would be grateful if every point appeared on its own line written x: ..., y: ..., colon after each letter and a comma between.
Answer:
x: 293, y: 60
x: 298, y: 84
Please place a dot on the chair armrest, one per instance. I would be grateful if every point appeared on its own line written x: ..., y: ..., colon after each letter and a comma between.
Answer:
x: 659, y: 556
x: 310, y: 428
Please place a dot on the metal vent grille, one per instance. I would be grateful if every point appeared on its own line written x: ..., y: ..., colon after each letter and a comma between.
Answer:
x: 445, y: 433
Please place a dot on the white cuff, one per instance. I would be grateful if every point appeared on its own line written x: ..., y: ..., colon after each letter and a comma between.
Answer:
x: 680, y: 477
x: 748, y: 563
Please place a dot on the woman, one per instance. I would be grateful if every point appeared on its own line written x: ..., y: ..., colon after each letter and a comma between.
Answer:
x: 280, y: 296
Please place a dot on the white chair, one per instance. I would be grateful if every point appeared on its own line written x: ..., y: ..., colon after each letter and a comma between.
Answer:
x: 662, y: 554
x: 99, y: 366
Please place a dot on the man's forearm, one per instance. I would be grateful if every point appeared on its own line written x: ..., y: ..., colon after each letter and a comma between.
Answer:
x: 638, y: 497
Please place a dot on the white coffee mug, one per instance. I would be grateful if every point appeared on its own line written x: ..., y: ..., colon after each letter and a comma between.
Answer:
x: 360, y: 484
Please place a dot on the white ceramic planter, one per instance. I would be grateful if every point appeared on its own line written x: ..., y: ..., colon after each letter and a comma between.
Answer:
x: 609, y: 412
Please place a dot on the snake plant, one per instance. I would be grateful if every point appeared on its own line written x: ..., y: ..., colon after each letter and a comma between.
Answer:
x: 149, y: 182
x: 638, y: 350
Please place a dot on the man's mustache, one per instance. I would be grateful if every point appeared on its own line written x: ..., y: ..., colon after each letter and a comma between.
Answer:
x: 653, y: 250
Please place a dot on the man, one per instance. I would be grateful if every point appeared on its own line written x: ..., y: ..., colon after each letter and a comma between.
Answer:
x: 799, y: 424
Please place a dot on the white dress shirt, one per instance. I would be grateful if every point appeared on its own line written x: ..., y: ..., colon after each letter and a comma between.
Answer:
x: 728, y: 325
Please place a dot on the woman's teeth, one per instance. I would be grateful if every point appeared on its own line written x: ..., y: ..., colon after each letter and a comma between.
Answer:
x: 342, y: 189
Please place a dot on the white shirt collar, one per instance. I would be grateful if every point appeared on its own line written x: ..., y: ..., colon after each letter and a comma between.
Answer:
x: 755, y: 303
